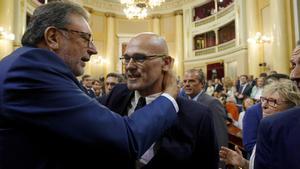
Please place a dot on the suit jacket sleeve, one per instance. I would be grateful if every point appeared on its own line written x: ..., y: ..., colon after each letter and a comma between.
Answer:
x: 263, y: 146
x: 40, y: 91
x: 250, y: 127
x: 219, y: 117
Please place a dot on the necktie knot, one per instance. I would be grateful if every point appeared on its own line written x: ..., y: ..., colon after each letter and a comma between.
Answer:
x: 141, y: 103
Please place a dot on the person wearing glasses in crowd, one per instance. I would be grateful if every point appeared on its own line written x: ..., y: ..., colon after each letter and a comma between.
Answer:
x: 253, y: 116
x: 278, y: 140
x: 190, y: 142
x: 47, y: 121
x: 276, y: 97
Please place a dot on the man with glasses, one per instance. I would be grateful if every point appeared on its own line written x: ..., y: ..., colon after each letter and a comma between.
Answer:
x: 278, y: 140
x: 48, y: 122
x: 191, y: 142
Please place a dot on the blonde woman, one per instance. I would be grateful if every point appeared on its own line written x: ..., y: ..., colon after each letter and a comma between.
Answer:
x: 276, y: 97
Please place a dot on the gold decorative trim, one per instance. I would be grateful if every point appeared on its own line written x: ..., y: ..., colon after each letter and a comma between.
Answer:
x: 102, y: 5
x: 205, y: 51
x: 205, y: 21
x: 226, y: 45
x: 110, y: 14
x: 178, y: 12
x: 158, y: 16
x: 225, y: 11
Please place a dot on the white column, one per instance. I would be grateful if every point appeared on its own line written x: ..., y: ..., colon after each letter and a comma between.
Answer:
x: 280, y: 38
x: 110, y: 43
x: 240, y: 22
x: 179, y: 43
x: 217, y: 37
x: 156, y: 24
x: 253, y: 48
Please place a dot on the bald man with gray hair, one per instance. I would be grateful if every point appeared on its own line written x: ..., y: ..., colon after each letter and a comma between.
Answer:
x: 191, y: 141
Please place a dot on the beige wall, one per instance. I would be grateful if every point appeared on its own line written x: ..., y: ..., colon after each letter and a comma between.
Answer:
x: 98, y: 26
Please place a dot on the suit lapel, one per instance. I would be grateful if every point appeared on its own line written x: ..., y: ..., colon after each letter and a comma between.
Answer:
x: 126, y: 103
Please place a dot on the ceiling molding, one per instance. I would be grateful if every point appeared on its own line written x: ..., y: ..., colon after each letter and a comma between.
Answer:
x: 117, y: 8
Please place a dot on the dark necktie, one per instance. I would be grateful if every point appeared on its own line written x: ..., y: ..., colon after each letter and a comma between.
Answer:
x: 141, y: 103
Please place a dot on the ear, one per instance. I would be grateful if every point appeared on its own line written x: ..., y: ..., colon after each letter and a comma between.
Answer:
x: 168, y: 63
x: 51, y: 37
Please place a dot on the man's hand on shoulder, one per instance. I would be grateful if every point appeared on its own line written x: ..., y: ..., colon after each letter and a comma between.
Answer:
x: 170, y: 82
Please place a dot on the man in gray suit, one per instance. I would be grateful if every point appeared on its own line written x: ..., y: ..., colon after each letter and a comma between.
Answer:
x: 193, y: 83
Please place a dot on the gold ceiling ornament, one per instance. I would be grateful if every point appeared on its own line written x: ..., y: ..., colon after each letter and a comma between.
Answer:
x: 138, y: 9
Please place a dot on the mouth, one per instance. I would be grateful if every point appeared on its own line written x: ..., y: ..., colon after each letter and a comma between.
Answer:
x: 133, y: 76
x: 187, y: 90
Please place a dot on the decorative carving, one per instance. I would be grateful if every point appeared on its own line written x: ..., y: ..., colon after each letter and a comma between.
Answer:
x: 178, y: 12
x: 113, y: 6
x: 89, y: 9
x: 109, y: 14
x: 158, y: 16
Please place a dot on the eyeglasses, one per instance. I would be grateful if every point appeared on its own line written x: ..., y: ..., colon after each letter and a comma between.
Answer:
x: 271, y: 102
x: 138, y: 58
x: 85, y: 36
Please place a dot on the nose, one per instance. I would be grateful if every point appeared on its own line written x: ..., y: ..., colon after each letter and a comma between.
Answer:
x: 264, y: 104
x: 130, y: 64
x: 295, y: 73
x: 92, y: 50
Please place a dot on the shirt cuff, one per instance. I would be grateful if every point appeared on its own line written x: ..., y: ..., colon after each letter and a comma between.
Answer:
x: 172, y: 100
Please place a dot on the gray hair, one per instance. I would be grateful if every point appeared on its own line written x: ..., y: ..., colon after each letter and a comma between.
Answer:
x: 116, y: 75
x: 201, y: 78
x: 51, y: 14
x: 286, y: 89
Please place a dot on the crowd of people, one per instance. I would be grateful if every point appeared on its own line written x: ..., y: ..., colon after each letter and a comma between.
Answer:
x: 139, y: 120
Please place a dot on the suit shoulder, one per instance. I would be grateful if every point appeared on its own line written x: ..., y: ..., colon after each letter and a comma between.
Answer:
x: 192, y: 107
x: 117, y: 94
x: 285, y: 118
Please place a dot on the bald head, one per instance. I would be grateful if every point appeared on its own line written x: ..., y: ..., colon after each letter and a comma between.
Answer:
x: 147, y: 43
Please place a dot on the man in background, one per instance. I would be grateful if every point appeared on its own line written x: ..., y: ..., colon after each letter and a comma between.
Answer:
x: 87, y: 83
x: 193, y: 83
x: 111, y: 80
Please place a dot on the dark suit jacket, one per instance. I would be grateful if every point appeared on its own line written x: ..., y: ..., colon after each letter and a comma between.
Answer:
x: 251, y: 122
x: 247, y: 90
x: 48, y: 122
x: 218, y: 87
x: 278, y: 141
x: 190, y: 143
x: 219, y: 117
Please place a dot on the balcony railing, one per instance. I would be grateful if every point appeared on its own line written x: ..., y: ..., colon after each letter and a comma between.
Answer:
x: 215, y: 16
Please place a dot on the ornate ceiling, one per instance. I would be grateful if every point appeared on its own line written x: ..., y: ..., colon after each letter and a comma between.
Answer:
x: 115, y: 6
x: 118, y: 1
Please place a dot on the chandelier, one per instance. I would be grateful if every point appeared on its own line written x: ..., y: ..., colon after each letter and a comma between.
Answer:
x: 137, y: 9
x: 259, y: 39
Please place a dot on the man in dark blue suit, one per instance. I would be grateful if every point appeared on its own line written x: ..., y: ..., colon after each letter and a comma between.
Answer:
x: 278, y: 140
x: 191, y: 142
x: 48, y: 122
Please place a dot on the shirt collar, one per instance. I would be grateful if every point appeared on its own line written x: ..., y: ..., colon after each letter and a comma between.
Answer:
x: 196, y: 97
x: 149, y: 98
